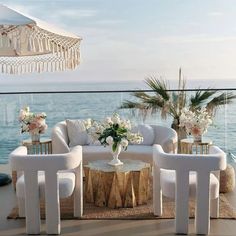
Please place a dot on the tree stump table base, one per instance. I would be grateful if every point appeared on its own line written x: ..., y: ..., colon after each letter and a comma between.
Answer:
x: 124, y: 186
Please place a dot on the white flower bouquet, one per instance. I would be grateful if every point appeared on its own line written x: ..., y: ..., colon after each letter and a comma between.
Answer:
x: 113, y: 131
x: 31, y: 122
x: 195, y: 122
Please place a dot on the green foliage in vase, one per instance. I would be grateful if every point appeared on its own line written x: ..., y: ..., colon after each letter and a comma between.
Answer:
x: 113, y: 131
x: 116, y: 132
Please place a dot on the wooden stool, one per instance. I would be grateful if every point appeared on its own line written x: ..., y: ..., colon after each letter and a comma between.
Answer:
x: 227, y: 179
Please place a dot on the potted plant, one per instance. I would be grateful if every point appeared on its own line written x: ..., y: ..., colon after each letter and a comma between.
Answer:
x: 195, y: 122
x: 33, y: 123
x: 116, y: 133
x: 173, y: 103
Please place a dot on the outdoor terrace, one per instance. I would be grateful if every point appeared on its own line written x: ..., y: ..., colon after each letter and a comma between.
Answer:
x: 148, y: 227
x: 84, y: 104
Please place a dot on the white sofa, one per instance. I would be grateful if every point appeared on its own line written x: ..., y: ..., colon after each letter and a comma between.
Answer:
x: 166, y: 137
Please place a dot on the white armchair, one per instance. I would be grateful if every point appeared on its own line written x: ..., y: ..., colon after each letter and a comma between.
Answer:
x: 48, y: 177
x: 181, y: 176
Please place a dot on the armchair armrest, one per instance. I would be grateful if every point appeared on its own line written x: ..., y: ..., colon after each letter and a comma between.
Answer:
x: 216, y: 160
x: 166, y: 137
x: 19, y: 160
x: 170, y: 145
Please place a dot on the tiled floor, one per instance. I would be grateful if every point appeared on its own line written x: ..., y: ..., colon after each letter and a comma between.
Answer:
x: 106, y: 227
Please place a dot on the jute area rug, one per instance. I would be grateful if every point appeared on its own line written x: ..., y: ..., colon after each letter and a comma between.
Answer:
x: 139, y: 212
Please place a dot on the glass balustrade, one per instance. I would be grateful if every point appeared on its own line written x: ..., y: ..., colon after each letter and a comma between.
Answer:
x: 96, y: 105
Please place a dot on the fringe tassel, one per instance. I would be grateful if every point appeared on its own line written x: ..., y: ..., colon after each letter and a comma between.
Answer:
x: 65, y: 51
x: 21, y: 67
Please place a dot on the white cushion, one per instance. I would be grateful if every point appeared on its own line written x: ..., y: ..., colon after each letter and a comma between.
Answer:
x: 137, y: 149
x: 168, y: 184
x: 147, y: 132
x: 77, y: 133
x: 66, y: 184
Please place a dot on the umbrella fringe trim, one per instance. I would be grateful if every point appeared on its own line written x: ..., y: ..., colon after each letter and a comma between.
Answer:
x: 37, y: 66
x: 61, y: 52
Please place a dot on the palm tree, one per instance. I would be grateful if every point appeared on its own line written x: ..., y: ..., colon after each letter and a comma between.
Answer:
x: 172, y: 103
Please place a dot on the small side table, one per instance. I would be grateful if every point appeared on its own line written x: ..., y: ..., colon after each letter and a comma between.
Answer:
x: 188, y: 146
x: 122, y: 186
x: 44, y: 146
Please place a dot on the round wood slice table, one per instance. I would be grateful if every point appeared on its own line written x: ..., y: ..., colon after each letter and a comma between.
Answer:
x: 122, y: 186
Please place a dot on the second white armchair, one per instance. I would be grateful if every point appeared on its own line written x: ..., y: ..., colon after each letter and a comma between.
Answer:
x: 181, y: 176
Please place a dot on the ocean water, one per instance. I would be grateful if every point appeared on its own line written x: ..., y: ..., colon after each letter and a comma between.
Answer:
x: 59, y: 107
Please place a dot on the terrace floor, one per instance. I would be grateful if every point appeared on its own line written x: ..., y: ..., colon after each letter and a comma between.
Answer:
x: 105, y: 227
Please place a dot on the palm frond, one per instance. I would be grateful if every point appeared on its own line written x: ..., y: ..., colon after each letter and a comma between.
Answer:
x: 222, y: 99
x: 200, y: 97
x: 172, y: 103
x: 140, y: 95
x: 142, y: 108
x: 146, y: 103
x: 159, y: 86
x: 132, y: 105
x: 146, y: 108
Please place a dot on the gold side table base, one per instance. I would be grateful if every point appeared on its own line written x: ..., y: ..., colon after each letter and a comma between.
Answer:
x: 189, y: 146
x: 44, y: 146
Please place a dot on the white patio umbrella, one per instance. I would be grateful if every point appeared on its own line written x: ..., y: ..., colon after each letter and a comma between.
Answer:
x: 28, y: 44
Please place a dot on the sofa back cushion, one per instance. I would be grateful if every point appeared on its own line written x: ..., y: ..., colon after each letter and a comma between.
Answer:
x: 60, y: 139
x: 77, y: 133
x: 147, y: 132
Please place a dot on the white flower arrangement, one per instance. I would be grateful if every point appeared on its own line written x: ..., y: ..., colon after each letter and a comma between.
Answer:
x: 31, y: 122
x: 195, y: 122
x: 113, y: 131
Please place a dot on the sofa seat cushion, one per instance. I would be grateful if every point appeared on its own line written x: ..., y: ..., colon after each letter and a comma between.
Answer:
x: 132, y: 149
x: 135, y: 152
x: 95, y: 149
x: 168, y: 184
x: 142, y: 149
x: 66, y: 184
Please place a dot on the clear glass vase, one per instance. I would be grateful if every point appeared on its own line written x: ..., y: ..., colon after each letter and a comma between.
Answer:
x: 197, y: 138
x: 35, y: 137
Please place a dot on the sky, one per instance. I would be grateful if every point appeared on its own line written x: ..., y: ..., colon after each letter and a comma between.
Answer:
x: 129, y: 40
